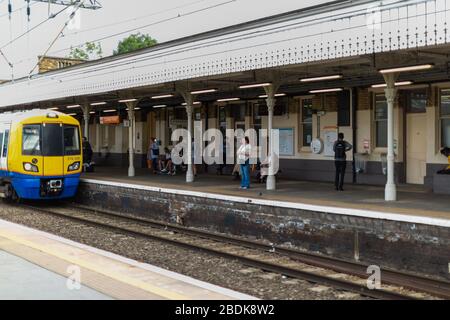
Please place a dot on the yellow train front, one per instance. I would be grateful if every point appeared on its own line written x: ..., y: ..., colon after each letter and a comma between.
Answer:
x: 41, y: 155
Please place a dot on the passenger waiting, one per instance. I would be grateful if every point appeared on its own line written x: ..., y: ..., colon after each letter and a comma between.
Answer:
x: 169, y: 167
x: 340, y: 159
x: 243, y: 155
x: 88, y: 165
x: 153, y: 155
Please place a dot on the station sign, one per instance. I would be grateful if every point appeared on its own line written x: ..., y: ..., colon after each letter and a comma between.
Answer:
x: 111, y: 120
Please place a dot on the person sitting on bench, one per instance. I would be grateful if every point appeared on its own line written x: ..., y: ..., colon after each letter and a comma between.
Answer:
x: 446, y: 153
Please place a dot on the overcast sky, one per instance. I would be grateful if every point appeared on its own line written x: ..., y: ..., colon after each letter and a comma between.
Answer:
x: 118, y: 16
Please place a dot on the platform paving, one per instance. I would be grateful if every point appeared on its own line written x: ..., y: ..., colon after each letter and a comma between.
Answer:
x: 36, y: 265
x: 23, y: 280
x: 412, y: 200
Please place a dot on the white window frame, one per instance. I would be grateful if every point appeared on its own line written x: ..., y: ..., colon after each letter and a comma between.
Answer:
x: 441, y: 117
x: 301, y: 123
x: 377, y: 149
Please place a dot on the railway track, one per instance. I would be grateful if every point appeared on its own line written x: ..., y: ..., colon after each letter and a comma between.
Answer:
x: 336, y: 273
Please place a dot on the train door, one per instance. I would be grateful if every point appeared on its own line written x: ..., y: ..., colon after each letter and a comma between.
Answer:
x: 416, y: 137
x: 4, y: 143
x: 53, y: 149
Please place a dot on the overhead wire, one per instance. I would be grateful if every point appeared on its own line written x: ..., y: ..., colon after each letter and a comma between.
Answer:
x: 152, y: 24
x: 16, y: 10
x: 72, y: 15
x: 133, y: 19
x: 33, y: 28
x: 148, y: 25
x: 155, y: 55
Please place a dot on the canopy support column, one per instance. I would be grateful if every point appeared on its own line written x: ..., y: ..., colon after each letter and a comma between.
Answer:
x: 271, y: 101
x: 189, y: 100
x: 131, y: 134
x: 391, y: 93
x: 86, y: 108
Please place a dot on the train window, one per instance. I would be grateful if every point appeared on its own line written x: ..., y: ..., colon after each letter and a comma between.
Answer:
x: 5, y: 144
x: 71, y: 141
x: 52, y: 138
x: 31, y: 140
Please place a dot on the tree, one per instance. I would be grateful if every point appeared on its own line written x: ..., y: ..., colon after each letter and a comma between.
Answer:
x: 89, y: 51
x: 135, y: 42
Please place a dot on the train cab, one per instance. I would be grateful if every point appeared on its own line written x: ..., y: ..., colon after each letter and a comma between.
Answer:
x: 41, y: 155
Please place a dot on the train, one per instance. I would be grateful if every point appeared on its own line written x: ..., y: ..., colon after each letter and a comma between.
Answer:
x: 41, y: 155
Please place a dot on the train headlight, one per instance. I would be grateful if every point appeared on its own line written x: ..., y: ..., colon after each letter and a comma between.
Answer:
x: 29, y: 167
x: 74, y: 166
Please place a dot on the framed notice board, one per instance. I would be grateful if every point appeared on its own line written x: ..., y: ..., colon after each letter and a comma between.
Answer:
x: 286, y: 141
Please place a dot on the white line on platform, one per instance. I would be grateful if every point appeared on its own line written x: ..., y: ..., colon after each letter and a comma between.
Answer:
x: 284, y: 204
x: 173, y: 275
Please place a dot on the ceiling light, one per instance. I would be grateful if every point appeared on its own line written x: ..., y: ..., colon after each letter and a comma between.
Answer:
x: 204, y: 91
x: 326, y: 90
x: 73, y: 106
x: 277, y: 95
x: 98, y: 103
x: 323, y: 78
x: 397, y: 84
x: 92, y: 112
x: 72, y: 114
x: 161, y: 106
x: 135, y: 109
x: 163, y: 96
x: 408, y: 68
x: 228, y: 99
x: 256, y: 85
x: 127, y: 100
x: 194, y: 103
x: 109, y: 111
x: 54, y: 109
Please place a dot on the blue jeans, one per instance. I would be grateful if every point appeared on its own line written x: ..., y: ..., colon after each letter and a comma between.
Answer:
x: 245, y: 172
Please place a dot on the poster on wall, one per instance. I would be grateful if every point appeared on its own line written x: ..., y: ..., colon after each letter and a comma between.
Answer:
x: 330, y: 137
x: 286, y: 141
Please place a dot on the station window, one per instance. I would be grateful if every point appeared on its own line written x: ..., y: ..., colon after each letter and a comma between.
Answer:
x: 417, y: 101
x: 306, y: 123
x: 380, y: 118
x: 445, y: 118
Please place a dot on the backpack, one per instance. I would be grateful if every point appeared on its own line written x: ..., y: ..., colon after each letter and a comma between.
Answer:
x: 340, y: 150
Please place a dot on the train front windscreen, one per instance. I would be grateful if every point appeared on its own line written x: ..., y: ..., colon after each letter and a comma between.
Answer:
x: 51, y: 140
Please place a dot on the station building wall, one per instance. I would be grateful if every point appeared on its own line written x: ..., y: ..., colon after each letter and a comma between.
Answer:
x: 111, y: 142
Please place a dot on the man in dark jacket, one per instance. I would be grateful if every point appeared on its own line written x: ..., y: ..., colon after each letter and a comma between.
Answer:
x: 87, y: 151
x: 340, y: 159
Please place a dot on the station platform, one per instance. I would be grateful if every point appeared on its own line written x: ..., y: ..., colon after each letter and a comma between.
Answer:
x: 35, y: 265
x: 415, y: 204
x: 412, y: 234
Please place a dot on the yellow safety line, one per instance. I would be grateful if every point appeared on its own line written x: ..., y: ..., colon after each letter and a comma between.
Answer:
x: 114, y: 275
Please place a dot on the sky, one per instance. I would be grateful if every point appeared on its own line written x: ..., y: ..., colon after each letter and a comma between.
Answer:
x: 163, y: 20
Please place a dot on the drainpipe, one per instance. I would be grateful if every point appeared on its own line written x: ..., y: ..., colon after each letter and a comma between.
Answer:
x: 354, y: 105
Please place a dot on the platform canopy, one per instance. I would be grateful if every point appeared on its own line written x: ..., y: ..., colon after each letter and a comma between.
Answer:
x: 357, y: 37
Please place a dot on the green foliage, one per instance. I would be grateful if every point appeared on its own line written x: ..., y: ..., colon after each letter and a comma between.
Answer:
x: 135, y: 42
x: 89, y: 51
